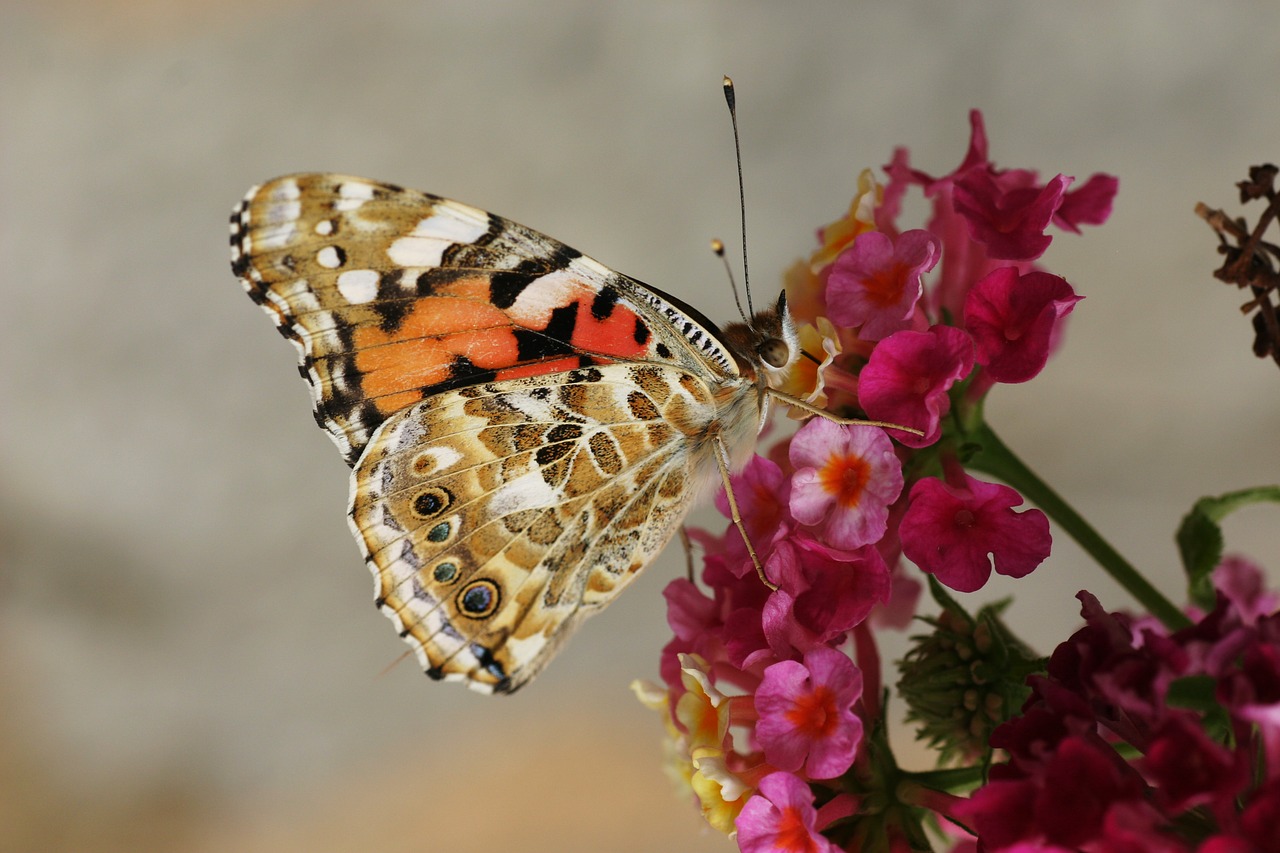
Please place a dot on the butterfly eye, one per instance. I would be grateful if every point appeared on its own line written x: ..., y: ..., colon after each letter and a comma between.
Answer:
x: 775, y: 352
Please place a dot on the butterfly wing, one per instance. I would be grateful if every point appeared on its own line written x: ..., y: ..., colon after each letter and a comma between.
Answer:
x: 392, y: 295
x: 527, y: 427
x: 496, y: 517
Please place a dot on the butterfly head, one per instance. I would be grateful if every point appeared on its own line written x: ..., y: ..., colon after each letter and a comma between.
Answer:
x: 767, y: 346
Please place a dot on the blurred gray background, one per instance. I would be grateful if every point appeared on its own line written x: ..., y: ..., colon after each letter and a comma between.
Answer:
x: 189, y: 655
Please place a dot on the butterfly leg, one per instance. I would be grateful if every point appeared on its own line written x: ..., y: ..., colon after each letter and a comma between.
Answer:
x: 722, y: 459
x: 687, y: 543
x: 803, y: 406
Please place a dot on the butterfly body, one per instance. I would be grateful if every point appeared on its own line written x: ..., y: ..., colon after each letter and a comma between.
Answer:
x: 527, y: 428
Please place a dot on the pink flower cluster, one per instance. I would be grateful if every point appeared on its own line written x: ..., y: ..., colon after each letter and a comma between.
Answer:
x: 1199, y: 711
x: 771, y: 695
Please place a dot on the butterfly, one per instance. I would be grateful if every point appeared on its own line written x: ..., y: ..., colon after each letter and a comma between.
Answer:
x: 526, y: 428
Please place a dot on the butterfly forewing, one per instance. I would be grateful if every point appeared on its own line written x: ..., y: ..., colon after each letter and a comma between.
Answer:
x: 392, y: 295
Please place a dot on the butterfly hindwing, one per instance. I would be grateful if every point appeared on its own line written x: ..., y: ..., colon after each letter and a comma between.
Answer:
x: 496, y: 517
x: 392, y: 295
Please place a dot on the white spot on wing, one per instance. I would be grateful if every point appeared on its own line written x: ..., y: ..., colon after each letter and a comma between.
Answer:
x: 283, y: 210
x: 352, y: 194
x: 594, y: 266
x: 324, y: 227
x: 528, y: 491
x: 358, y: 286
x: 534, y: 304
x: 444, y: 457
x: 426, y: 244
x: 328, y: 258
x: 525, y: 649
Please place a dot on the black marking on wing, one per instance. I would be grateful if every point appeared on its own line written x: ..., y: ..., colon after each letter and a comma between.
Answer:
x: 602, y: 306
x: 562, y: 323
x: 505, y: 288
x: 534, y: 346
x: 463, y: 371
x: 390, y: 304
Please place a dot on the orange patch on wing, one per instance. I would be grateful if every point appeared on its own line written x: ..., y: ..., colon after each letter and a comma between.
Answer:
x: 451, y: 324
x: 614, y: 335
x: 444, y: 315
x: 540, y: 368
x: 474, y: 287
x: 394, y: 403
x: 389, y: 371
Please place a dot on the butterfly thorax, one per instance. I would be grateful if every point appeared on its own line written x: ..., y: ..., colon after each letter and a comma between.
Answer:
x: 765, y: 349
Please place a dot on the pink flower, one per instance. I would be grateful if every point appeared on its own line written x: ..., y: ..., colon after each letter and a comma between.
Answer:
x: 846, y: 476
x: 689, y: 613
x: 875, y: 283
x: 1189, y: 769
x: 1007, y: 213
x: 981, y: 213
x: 780, y: 818
x: 955, y: 533
x: 1067, y: 804
x: 1244, y: 584
x: 819, y: 598
x: 1088, y: 204
x: 907, y: 378
x: 1013, y: 319
x: 806, y: 718
x: 761, y: 491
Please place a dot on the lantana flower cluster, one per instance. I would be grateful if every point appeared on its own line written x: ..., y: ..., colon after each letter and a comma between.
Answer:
x: 1157, y: 732
x: 1138, y: 738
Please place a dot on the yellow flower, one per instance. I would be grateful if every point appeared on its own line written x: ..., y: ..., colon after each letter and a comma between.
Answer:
x: 837, y: 236
x: 807, y: 379
x: 703, y: 711
x: 675, y: 746
x: 721, y: 793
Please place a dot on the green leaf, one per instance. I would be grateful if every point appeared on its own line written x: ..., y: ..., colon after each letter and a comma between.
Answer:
x: 1200, y: 541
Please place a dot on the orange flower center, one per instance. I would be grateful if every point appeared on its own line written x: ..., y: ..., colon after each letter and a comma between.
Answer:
x: 792, y: 834
x: 845, y: 477
x: 884, y: 287
x: 814, y: 713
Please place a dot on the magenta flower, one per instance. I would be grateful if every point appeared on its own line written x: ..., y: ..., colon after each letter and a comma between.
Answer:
x: 1087, y: 204
x: 1188, y: 768
x: 819, y: 598
x: 761, y: 491
x: 845, y: 479
x: 875, y: 283
x: 690, y: 614
x: 1014, y: 319
x: 1243, y: 584
x: 907, y: 378
x: 1005, y: 214
x: 956, y: 533
x: 1067, y: 804
x: 806, y: 717
x: 982, y: 214
x: 780, y: 818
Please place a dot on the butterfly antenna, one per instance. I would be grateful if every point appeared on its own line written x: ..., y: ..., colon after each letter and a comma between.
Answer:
x: 718, y: 248
x: 742, y: 197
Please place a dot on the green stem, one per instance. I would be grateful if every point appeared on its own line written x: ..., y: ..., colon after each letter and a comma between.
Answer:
x: 994, y: 457
x: 948, y: 779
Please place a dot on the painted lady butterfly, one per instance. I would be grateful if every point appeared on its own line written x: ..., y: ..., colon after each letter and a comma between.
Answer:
x: 527, y: 428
